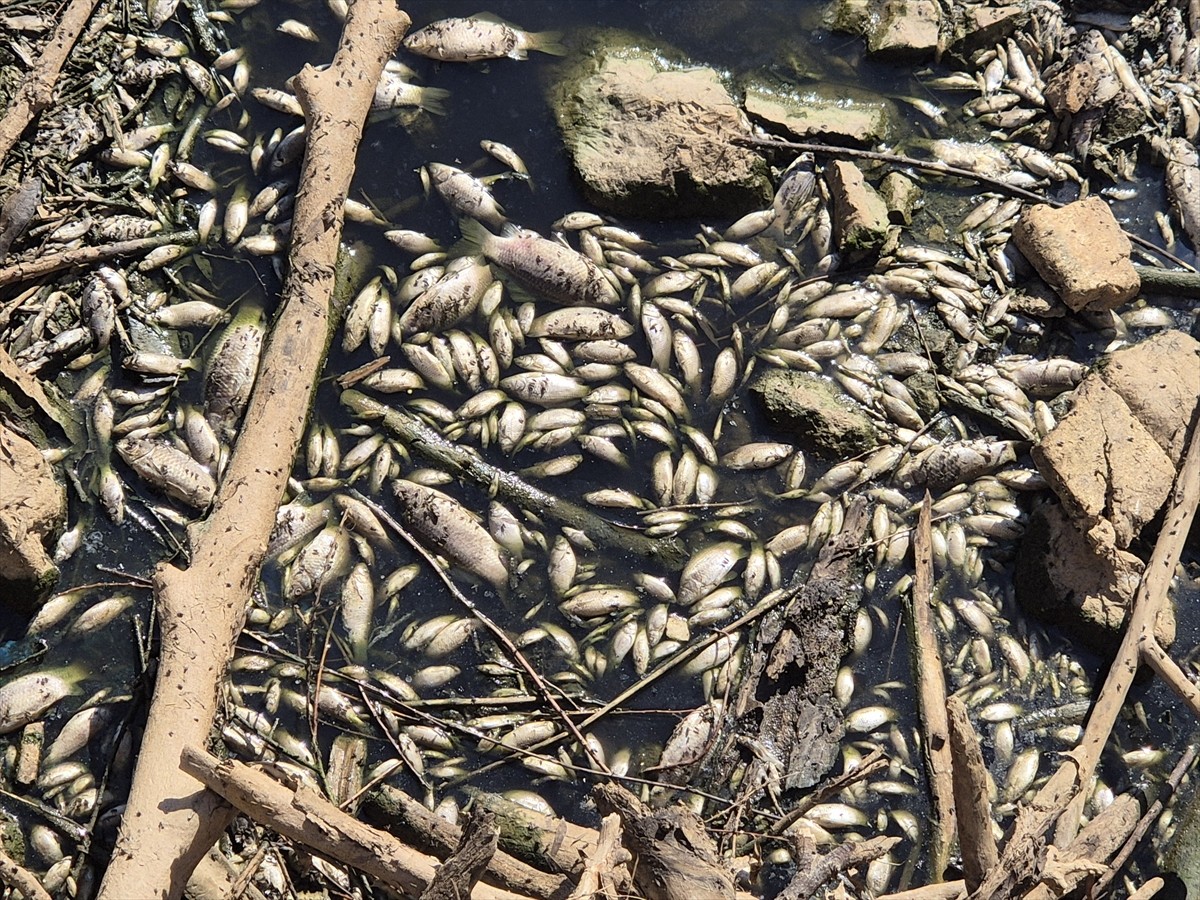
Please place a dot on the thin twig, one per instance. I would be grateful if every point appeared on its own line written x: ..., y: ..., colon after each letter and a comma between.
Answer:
x: 84, y: 256
x: 497, y: 632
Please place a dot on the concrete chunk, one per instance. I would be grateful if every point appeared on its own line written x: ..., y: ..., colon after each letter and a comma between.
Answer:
x: 833, y: 112
x: 1104, y: 464
x: 1159, y: 380
x: 903, y: 29
x: 1081, y: 252
x: 860, y: 217
x: 815, y: 412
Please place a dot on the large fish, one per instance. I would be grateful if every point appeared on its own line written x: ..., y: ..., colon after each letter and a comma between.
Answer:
x: 480, y: 37
x: 544, y: 267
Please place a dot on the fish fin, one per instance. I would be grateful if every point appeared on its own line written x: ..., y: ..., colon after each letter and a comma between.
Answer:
x: 509, y: 230
x: 492, y: 17
x: 547, y: 41
x: 431, y: 100
x: 518, y: 53
x: 474, y: 236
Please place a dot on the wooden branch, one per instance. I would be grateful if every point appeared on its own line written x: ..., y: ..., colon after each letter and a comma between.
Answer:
x: 1017, y: 862
x: 463, y: 462
x: 673, y: 856
x: 1149, y: 889
x: 947, y: 890
x: 931, y: 696
x: 1176, y: 282
x: 20, y: 879
x: 545, y: 842
x: 1066, y: 869
x: 459, y: 874
x: 871, y: 763
x: 440, y: 837
x: 299, y: 813
x: 976, y: 841
x: 596, y: 881
x: 170, y: 821
x: 809, y: 878
x: 49, y: 263
x: 1168, y: 670
x: 37, y: 90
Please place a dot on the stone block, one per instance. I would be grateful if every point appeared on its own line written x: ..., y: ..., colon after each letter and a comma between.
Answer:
x: 860, y: 217
x: 1081, y: 252
x: 904, y: 29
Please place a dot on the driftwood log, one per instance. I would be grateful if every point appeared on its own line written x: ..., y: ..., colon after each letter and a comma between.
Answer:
x: 300, y: 813
x: 171, y: 819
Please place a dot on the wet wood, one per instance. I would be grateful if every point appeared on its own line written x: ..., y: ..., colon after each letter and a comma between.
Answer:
x: 20, y: 879
x: 1087, y: 855
x: 463, y: 462
x: 976, y: 841
x: 598, y: 880
x: 393, y: 809
x: 459, y: 874
x: 298, y: 812
x: 931, y: 696
x: 814, y: 870
x: 37, y: 90
x: 81, y: 257
x: 546, y: 842
x: 785, y: 713
x: 171, y: 819
x: 673, y: 856
x: 1176, y: 282
x: 1020, y: 859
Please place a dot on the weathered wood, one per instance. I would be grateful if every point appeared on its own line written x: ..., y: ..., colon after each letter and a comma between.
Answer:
x: 813, y: 870
x: 931, y: 696
x: 673, y: 856
x: 459, y: 874
x: 171, y: 820
x: 973, y: 809
x: 392, y: 808
x: 299, y: 813
x: 49, y: 263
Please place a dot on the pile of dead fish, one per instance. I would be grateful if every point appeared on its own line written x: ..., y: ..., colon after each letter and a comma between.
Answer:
x: 603, y: 369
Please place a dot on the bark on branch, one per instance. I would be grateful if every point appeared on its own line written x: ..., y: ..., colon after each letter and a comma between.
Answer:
x: 171, y: 820
x: 37, y: 90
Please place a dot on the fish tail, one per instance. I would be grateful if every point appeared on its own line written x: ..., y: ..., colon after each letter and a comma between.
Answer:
x: 547, y: 42
x: 474, y: 236
x: 432, y: 100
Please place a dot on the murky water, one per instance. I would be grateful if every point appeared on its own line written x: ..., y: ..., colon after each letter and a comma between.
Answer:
x: 504, y: 101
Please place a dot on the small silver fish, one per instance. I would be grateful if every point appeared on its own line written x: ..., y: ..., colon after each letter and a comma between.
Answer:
x: 480, y: 37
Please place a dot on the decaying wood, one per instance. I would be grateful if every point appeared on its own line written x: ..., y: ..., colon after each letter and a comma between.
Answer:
x: 546, y: 842
x: 931, y: 696
x: 871, y: 763
x: 463, y: 462
x: 597, y: 880
x: 1168, y: 670
x: 79, y: 257
x: 460, y: 873
x: 1086, y: 856
x: 1147, y: 820
x: 946, y: 890
x: 391, y: 807
x: 976, y: 841
x: 21, y: 880
x: 1176, y: 282
x: 171, y: 820
x: 673, y: 856
x: 784, y: 711
x: 1019, y: 861
x: 37, y: 90
x: 814, y: 870
x: 299, y: 813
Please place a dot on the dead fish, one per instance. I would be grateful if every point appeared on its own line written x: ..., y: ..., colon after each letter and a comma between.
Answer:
x: 25, y: 698
x: 394, y: 92
x: 169, y: 470
x: 451, y: 299
x: 480, y: 37
x: 465, y: 194
x: 18, y: 211
x: 231, y: 370
x: 447, y: 525
x: 544, y: 267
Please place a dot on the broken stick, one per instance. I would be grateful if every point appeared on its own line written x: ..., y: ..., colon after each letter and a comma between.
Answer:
x: 460, y: 873
x: 49, y: 263
x: 1020, y: 858
x: 972, y: 806
x: 931, y: 696
x: 299, y: 813
x: 171, y: 820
